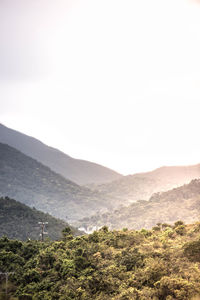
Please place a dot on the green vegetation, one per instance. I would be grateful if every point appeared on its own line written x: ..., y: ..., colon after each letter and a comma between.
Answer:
x: 180, y: 203
x: 154, y: 264
x: 18, y: 221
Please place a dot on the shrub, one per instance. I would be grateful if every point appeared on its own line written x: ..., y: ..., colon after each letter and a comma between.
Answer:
x: 192, y: 251
x: 180, y: 229
x: 177, y: 223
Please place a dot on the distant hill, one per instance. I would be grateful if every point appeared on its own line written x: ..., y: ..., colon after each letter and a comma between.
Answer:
x: 79, y: 171
x: 182, y: 203
x: 34, y: 184
x: 18, y: 221
x: 141, y: 186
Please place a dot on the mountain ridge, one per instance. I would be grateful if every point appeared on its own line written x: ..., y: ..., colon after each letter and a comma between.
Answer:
x: 77, y: 170
x: 181, y: 203
x: 141, y: 186
x: 34, y: 184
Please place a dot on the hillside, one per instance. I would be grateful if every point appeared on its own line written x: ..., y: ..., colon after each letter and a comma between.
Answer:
x: 142, y: 185
x: 79, y: 171
x: 18, y: 221
x: 154, y: 264
x: 34, y: 184
x: 180, y: 203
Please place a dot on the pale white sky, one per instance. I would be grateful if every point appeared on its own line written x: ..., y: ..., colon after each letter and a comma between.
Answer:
x: 111, y: 81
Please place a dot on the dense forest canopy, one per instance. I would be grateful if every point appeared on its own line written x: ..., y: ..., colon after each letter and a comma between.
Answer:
x: 161, y: 263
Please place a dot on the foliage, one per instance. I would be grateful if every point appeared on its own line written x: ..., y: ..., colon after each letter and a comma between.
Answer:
x: 106, y: 265
x: 192, y: 250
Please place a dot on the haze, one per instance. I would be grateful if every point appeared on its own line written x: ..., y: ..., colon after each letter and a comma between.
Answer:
x: 114, y: 82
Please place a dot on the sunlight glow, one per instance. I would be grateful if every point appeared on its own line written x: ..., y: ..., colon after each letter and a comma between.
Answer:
x: 111, y: 81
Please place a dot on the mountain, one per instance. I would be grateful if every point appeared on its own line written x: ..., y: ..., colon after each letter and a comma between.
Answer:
x: 79, y: 171
x: 34, y: 184
x: 181, y: 203
x: 141, y: 186
x: 19, y: 221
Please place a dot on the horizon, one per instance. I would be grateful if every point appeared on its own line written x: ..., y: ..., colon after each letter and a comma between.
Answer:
x: 111, y: 82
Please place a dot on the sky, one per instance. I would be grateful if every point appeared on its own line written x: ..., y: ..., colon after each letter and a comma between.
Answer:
x: 115, y: 82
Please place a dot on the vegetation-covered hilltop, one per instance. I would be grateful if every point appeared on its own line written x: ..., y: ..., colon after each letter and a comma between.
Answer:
x: 18, y: 221
x: 160, y: 264
x: 180, y: 203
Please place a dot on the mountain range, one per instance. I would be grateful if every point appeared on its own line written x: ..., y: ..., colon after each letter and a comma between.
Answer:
x: 36, y: 184
x: 28, y: 181
x: 77, y: 170
x: 182, y: 203
x: 142, y: 185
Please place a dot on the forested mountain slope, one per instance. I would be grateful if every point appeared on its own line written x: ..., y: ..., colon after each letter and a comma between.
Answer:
x: 79, y: 171
x: 180, y: 203
x: 34, y: 184
x: 18, y: 221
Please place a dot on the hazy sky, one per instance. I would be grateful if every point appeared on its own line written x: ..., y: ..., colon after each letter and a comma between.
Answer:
x: 111, y: 81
